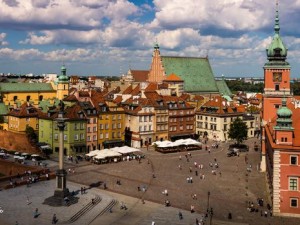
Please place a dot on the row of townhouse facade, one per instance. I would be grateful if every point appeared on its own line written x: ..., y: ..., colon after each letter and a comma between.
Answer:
x: 138, y: 119
x: 214, y: 117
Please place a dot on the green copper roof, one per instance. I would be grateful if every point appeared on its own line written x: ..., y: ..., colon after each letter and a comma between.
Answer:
x: 277, y: 50
x: 196, y: 73
x: 284, y: 120
x: 63, y: 78
x: 3, y: 109
x: 25, y: 87
x: 284, y: 112
x: 223, y: 88
x: 44, y: 105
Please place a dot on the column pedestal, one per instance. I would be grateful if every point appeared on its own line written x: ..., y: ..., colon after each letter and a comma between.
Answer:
x: 61, y: 190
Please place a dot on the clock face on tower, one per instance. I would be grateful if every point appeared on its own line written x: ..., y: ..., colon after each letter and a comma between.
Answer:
x: 277, y: 77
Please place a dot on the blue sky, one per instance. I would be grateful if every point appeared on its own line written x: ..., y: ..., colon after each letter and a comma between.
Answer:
x: 107, y: 37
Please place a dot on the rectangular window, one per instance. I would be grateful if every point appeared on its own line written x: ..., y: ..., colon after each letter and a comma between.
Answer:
x: 293, y: 160
x: 294, y: 202
x: 55, y: 136
x: 119, y: 134
x: 101, y: 136
x: 95, y: 137
x: 119, y: 126
x: 76, y: 126
x: 106, y: 135
x: 88, y: 138
x: 95, y: 129
x: 293, y: 183
x: 65, y: 137
x: 101, y: 126
x: 81, y: 126
x: 76, y: 137
x: 81, y: 136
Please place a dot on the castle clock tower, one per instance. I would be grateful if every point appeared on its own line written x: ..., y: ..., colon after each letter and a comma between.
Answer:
x: 276, y: 80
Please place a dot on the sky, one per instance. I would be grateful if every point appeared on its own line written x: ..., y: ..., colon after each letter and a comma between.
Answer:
x: 107, y: 37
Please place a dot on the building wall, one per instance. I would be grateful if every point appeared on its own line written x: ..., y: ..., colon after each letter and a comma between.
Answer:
x: 17, y: 124
x: 8, y: 97
x: 161, y: 125
x: 270, y: 83
x: 46, y: 131
x: 287, y: 172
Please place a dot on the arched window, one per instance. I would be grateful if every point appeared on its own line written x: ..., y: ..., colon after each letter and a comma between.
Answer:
x: 28, y: 98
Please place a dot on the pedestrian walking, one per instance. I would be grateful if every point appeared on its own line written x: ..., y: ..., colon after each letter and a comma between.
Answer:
x: 54, y: 219
x: 36, y: 213
x: 27, y: 201
x: 192, y: 209
x: 180, y: 215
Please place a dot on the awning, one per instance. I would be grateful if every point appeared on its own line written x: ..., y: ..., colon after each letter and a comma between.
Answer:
x: 113, y: 141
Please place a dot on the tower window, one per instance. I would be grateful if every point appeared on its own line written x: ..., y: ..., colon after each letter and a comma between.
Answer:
x: 293, y: 183
x: 293, y: 160
x: 294, y: 202
x: 276, y: 87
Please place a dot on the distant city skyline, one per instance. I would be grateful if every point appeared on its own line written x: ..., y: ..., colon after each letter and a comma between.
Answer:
x: 106, y: 38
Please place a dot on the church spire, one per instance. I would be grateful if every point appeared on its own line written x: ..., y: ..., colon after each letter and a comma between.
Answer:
x: 277, y: 27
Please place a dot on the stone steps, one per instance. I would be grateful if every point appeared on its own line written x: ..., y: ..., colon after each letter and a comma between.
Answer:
x: 84, y: 210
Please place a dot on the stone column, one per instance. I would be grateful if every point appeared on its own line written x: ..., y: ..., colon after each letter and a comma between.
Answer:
x: 61, y: 182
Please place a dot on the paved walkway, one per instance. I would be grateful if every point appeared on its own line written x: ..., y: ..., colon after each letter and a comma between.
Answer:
x: 229, y: 191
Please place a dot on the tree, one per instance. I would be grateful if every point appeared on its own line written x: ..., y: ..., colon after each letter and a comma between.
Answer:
x: 238, y: 130
x: 31, y: 135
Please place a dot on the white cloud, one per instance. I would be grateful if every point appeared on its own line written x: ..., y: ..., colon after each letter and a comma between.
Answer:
x: 2, y: 39
x: 68, y: 14
x: 232, y: 15
x: 63, y: 37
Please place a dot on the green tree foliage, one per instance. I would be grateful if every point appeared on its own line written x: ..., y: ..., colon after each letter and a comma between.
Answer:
x: 240, y: 85
x: 30, y: 133
x: 238, y: 131
x: 295, y: 88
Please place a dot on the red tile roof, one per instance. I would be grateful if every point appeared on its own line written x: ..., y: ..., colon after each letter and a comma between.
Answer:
x: 173, y: 77
x: 140, y: 75
x: 25, y: 110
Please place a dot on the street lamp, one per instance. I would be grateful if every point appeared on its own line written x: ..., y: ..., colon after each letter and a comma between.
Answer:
x: 207, y: 208
x: 61, y: 190
x: 211, y: 213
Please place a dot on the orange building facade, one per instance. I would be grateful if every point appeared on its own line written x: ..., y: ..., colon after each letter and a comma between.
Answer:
x: 280, y: 131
